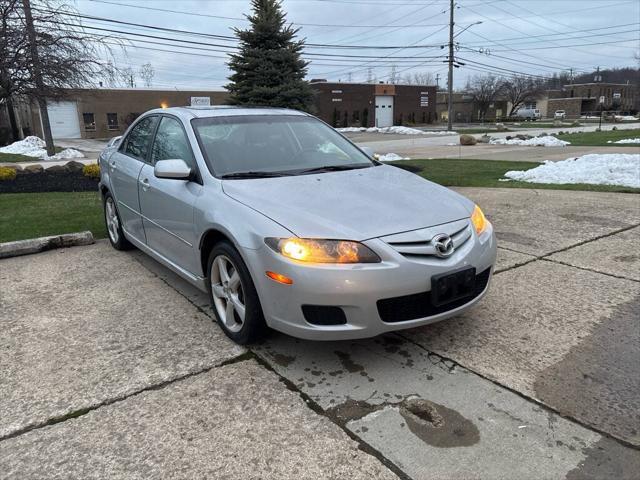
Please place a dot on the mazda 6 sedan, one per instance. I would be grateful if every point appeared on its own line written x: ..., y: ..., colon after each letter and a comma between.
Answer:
x: 287, y: 224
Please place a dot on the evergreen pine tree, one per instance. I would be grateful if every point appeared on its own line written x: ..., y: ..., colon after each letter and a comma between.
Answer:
x: 269, y: 70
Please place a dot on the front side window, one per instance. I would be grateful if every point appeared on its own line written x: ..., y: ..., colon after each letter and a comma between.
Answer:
x: 112, y: 121
x: 89, y: 121
x: 137, y: 142
x: 273, y: 143
x: 171, y: 143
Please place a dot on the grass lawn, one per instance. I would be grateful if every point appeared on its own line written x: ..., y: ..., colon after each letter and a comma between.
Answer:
x: 30, y: 215
x: 486, y: 173
x: 14, y: 157
x: 601, y: 138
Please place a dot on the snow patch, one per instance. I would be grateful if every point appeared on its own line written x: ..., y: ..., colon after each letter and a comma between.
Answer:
x: 391, y: 157
x: 596, y: 169
x: 625, y: 140
x: 396, y: 130
x: 35, y: 147
x: 547, y: 141
x: 625, y: 118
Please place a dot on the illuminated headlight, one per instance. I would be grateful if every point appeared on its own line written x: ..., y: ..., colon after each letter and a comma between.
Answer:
x: 479, y: 221
x: 322, y: 251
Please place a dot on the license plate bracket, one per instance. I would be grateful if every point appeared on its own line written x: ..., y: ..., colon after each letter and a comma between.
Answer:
x: 451, y: 286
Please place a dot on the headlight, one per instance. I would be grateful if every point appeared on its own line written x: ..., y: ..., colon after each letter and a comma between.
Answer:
x: 479, y: 220
x: 322, y: 251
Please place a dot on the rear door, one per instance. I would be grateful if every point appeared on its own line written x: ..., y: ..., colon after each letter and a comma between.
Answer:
x: 124, y: 169
x: 167, y: 205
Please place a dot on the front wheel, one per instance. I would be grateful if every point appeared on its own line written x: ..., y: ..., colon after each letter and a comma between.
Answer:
x: 114, y: 225
x: 233, y: 295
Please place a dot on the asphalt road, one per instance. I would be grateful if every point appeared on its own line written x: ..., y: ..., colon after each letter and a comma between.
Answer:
x: 112, y: 367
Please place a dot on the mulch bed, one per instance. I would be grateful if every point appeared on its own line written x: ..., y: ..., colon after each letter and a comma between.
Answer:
x: 49, y: 182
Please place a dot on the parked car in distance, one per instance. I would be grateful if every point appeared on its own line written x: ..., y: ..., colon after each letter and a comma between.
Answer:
x: 287, y: 224
x: 530, y: 114
x: 559, y: 115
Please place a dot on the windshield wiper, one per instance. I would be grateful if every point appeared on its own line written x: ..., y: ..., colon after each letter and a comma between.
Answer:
x: 331, y: 168
x: 251, y: 174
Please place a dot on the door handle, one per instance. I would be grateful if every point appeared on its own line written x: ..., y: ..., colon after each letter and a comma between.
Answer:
x: 145, y: 184
x: 112, y: 164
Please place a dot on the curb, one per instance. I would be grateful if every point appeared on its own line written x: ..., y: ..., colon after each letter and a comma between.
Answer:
x: 36, y: 245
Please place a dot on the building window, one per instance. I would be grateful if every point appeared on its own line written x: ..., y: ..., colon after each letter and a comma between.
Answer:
x: 112, y: 121
x: 89, y: 121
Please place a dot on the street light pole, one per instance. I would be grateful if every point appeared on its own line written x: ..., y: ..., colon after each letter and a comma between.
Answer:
x: 450, y: 77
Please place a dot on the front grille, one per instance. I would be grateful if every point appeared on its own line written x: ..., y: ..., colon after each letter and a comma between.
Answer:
x: 323, y: 315
x: 419, y: 305
x: 417, y: 243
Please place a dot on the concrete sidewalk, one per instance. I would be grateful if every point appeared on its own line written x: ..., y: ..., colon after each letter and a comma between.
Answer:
x: 113, y: 368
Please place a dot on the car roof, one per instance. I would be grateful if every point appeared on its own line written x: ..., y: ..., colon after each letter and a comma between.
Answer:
x: 188, y: 113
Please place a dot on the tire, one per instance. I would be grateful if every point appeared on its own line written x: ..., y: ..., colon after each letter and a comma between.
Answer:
x: 113, y: 224
x: 233, y: 295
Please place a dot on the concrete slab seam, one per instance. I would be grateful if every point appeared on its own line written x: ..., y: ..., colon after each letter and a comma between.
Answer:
x: 620, y: 277
x: 521, y: 395
x: 159, y: 386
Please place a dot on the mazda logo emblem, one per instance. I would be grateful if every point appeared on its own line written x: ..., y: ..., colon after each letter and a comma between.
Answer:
x: 443, y: 245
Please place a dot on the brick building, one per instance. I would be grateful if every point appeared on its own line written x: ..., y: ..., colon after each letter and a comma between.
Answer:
x: 104, y: 113
x: 369, y: 105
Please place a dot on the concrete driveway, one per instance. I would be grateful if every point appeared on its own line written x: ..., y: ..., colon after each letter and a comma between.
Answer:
x: 113, y: 368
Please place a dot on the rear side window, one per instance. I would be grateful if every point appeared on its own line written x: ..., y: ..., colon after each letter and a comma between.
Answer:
x: 137, y: 143
x: 171, y: 143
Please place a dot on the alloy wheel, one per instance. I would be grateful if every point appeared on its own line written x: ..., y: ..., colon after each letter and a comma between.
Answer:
x: 228, y: 294
x: 111, y: 216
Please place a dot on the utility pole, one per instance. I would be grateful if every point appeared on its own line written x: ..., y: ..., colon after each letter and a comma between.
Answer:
x: 37, y: 76
x: 437, y: 82
x: 450, y: 78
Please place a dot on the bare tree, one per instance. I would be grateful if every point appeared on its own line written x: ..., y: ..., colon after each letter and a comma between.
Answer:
x: 147, y: 73
x: 127, y: 75
x: 520, y: 89
x: 44, y: 51
x: 419, y: 78
x: 484, y: 89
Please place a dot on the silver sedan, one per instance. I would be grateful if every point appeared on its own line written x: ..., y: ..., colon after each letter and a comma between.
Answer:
x: 287, y: 224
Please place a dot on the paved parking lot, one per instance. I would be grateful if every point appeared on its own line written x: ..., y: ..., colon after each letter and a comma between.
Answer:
x: 113, y: 368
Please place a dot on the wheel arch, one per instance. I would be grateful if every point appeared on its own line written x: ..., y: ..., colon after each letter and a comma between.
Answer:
x: 209, y: 238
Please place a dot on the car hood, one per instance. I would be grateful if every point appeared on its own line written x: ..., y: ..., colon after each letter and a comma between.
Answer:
x: 353, y: 204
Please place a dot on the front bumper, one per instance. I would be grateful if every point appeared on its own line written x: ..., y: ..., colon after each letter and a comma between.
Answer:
x: 357, y: 288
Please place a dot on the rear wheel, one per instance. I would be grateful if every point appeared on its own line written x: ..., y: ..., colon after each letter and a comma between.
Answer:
x: 114, y: 225
x: 234, y: 298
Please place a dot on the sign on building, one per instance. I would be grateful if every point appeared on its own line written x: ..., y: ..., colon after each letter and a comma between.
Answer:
x: 200, y: 101
x: 424, y: 99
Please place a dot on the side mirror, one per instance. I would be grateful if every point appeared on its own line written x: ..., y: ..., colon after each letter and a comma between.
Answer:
x: 114, y: 142
x: 370, y: 153
x: 175, y: 169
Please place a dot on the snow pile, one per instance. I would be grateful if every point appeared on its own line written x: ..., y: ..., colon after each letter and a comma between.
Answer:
x: 396, y: 130
x: 625, y: 118
x: 547, y: 141
x: 598, y: 169
x: 625, y: 140
x: 390, y: 157
x: 35, y: 147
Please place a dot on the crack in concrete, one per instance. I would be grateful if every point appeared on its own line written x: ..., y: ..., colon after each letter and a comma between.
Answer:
x: 110, y: 401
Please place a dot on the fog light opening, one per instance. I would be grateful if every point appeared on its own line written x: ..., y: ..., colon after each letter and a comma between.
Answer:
x: 278, y: 277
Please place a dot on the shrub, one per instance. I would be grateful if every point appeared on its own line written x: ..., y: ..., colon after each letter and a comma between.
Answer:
x: 7, y: 173
x: 92, y: 170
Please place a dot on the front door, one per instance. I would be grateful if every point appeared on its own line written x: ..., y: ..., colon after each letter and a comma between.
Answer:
x: 124, y: 169
x: 167, y: 205
x: 384, y: 111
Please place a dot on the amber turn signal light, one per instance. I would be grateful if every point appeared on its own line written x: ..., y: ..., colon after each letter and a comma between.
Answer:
x: 278, y: 277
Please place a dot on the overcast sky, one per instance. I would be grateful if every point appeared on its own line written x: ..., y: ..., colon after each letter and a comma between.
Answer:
x: 536, y: 37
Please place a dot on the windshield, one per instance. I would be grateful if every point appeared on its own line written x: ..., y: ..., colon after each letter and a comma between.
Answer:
x: 285, y: 144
